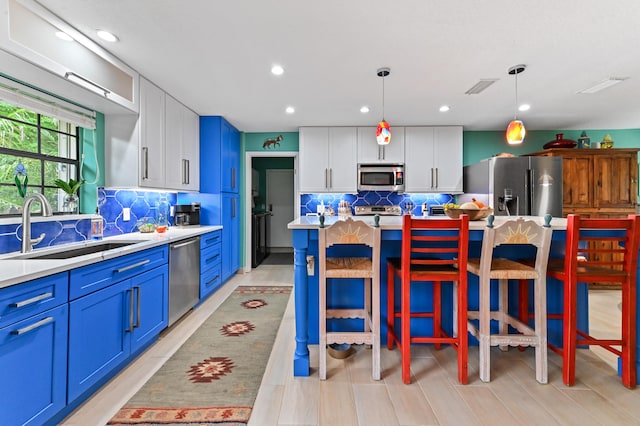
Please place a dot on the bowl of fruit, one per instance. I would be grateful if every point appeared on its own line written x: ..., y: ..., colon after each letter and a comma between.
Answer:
x: 476, y: 210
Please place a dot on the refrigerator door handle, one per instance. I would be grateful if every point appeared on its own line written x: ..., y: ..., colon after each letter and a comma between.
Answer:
x: 528, y: 190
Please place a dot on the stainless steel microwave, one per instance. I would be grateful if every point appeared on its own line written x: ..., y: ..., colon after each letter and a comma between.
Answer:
x: 381, y: 177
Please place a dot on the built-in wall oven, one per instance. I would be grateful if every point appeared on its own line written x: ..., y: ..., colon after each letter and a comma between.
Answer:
x: 381, y: 177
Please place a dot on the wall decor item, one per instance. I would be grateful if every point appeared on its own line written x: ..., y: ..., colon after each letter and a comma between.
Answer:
x: 607, y: 142
x: 560, y: 142
x: 584, y: 141
x: 272, y: 142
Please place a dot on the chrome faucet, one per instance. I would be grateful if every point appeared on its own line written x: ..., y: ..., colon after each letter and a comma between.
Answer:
x: 27, y: 242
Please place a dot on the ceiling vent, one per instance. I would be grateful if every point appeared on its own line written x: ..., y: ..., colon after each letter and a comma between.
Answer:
x: 480, y: 86
x: 611, y: 81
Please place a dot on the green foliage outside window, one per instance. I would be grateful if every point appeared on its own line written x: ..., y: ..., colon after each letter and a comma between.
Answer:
x: 45, y: 146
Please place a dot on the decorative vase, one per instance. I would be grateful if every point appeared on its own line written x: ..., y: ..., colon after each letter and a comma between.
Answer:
x: 70, y: 204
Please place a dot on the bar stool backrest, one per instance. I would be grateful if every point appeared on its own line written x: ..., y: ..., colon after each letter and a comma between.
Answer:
x: 435, y: 244
x: 602, y: 258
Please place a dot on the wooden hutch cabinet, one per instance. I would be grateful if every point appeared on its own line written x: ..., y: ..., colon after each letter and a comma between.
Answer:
x: 598, y: 183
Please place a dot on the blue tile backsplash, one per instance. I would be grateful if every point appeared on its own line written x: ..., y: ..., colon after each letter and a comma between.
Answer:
x: 309, y: 202
x: 110, y: 202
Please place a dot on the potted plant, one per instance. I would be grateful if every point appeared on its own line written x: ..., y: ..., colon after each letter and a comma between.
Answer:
x: 71, y: 189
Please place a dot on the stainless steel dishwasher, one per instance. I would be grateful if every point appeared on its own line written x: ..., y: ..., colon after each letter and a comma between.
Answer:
x: 184, y: 277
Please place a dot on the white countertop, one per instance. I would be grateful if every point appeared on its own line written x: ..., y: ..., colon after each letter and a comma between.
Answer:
x: 395, y: 222
x: 15, y: 271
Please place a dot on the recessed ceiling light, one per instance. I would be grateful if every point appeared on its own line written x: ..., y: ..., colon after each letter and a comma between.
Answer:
x: 107, y: 36
x: 277, y: 70
x: 524, y: 107
x: 290, y: 110
x: 364, y: 109
x: 63, y: 36
x: 444, y: 108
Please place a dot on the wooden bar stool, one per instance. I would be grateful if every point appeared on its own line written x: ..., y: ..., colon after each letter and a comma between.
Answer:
x: 351, y: 232
x: 433, y: 250
x: 488, y: 267
x: 599, y: 250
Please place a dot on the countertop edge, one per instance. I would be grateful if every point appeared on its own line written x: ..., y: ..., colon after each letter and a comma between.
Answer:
x: 17, y: 271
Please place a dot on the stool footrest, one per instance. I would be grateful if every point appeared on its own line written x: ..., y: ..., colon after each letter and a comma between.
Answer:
x: 355, y: 338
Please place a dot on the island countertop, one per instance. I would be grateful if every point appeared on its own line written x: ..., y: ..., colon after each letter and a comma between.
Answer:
x: 395, y: 222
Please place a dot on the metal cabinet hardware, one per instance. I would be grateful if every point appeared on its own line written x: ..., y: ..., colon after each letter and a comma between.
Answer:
x: 212, y: 280
x: 26, y: 302
x: 130, y: 294
x: 145, y: 154
x: 138, y: 291
x: 135, y: 265
x: 33, y: 326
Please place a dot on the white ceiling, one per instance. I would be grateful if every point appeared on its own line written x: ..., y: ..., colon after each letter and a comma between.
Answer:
x: 215, y: 57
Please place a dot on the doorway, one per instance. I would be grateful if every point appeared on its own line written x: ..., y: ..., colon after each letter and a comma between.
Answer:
x: 282, y: 166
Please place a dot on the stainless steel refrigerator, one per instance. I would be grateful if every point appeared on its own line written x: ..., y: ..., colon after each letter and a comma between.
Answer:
x: 518, y: 186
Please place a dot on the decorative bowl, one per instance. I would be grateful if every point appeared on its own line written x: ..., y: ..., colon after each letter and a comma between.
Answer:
x: 473, y: 214
x: 146, y: 225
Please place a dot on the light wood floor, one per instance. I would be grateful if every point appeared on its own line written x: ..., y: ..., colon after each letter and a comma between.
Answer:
x: 350, y: 397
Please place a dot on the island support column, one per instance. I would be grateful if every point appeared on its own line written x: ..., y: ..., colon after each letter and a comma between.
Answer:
x: 301, y: 294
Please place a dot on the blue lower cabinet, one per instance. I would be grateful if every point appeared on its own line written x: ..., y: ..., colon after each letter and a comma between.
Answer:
x: 110, y: 325
x: 230, y: 235
x: 33, y: 368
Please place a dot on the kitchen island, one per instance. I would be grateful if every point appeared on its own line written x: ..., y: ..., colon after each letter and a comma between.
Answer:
x: 305, y: 244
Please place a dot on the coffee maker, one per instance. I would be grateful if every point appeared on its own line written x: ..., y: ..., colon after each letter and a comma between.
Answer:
x: 187, y: 214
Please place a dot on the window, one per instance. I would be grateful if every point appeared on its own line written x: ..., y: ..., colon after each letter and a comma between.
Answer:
x: 47, y: 147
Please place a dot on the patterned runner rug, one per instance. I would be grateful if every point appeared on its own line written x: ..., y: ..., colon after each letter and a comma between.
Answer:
x: 213, y: 379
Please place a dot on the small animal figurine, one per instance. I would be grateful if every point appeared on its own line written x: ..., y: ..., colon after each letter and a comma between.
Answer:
x: 275, y: 142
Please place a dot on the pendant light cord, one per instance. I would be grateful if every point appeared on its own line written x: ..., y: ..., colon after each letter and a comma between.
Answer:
x: 515, y: 109
x: 383, y: 97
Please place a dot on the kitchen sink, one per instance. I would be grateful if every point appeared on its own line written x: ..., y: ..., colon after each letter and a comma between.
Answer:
x: 75, y: 252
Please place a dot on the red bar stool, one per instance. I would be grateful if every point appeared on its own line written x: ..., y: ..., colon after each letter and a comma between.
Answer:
x: 488, y: 267
x: 350, y: 232
x: 599, y: 250
x: 433, y: 250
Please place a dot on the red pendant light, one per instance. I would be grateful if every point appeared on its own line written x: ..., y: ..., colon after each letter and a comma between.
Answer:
x: 383, y: 131
x: 516, y: 131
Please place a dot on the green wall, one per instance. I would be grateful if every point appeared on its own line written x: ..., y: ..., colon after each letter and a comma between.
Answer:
x: 478, y: 145
x: 92, y: 148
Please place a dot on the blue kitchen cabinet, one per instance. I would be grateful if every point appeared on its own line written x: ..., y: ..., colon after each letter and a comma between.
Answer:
x: 33, y: 350
x: 121, y: 307
x: 210, y: 263
x: 219, y: 156
x: 230, y: 234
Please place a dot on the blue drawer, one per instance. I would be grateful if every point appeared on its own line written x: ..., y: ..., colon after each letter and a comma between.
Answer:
x: 210, y: 257
x: 210, y: 281
x: 32, y: 297
x: 94, y: 277
x: 210, y: 239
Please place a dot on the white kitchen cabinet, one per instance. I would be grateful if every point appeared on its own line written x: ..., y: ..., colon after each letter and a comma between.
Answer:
x: 369, y: 152
x: 181, y: 147
x: 328, y: 159
x: 152, y: 129
x: 433, y: 159
x: 157, y: 149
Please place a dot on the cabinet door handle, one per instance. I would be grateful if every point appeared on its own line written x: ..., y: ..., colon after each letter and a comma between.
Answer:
x: 436, y: 177
x: 33, y: 326
x: 30, y: 301
x: 130, y: 295
x: 188, y: 180
x: 212, y: 280
x: 138, y: 291
x: 233, y: 207
x: 233, y: 178
x: 135, y: 265
x: 330, y: 178
x: 211, y: 259
x: 212, y: 239
x: 325, y: 178
x: 145, y: 153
